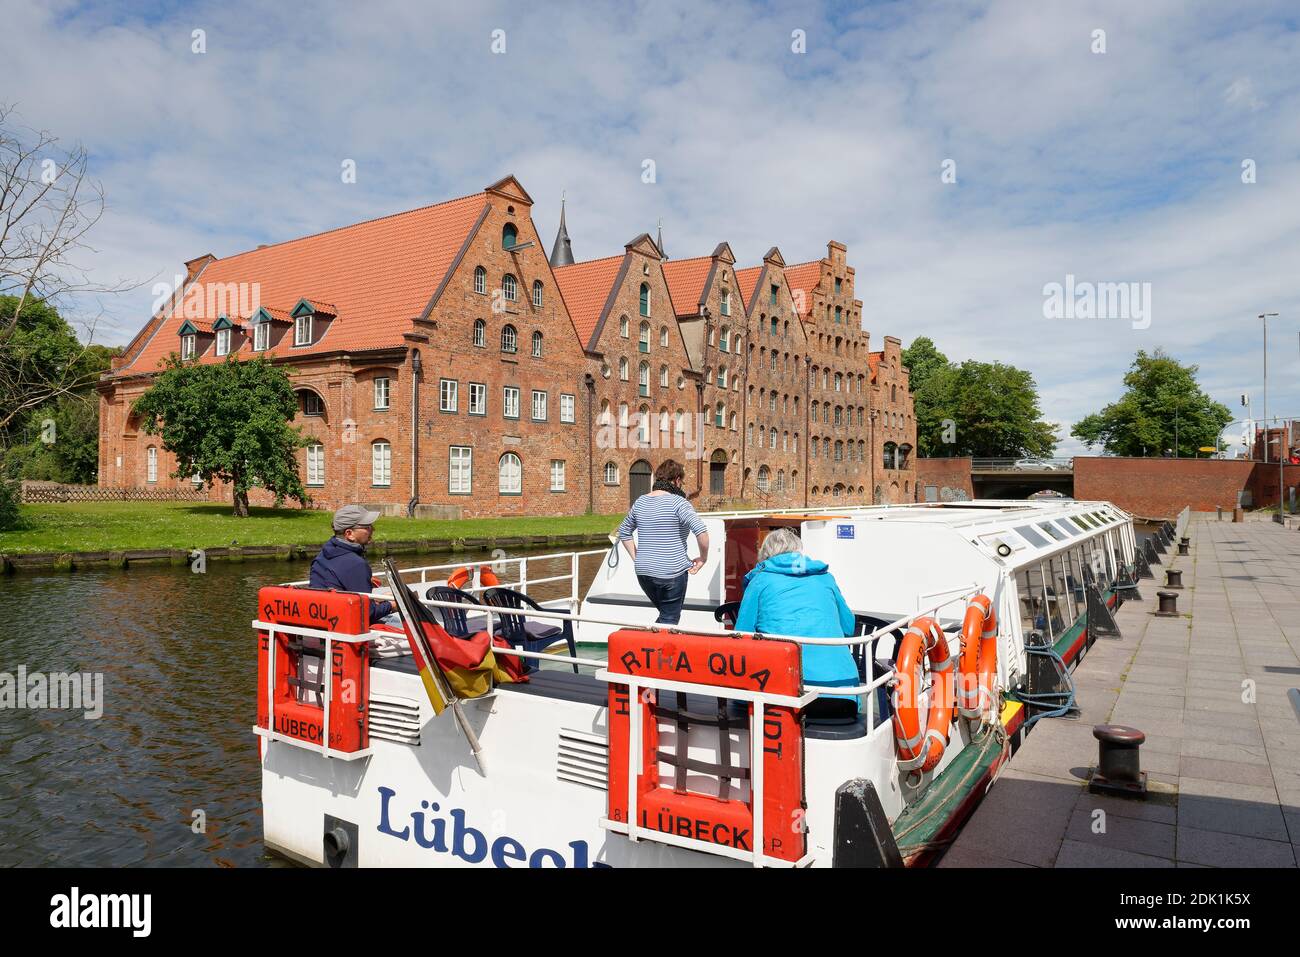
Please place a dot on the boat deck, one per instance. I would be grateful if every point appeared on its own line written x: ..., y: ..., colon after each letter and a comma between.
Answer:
x: 1223, y: 772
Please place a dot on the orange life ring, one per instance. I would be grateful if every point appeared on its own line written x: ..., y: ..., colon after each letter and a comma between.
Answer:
x: 486, y: 577
x: 922, y: 749
x: 979, y: 658
x: 459, y: 578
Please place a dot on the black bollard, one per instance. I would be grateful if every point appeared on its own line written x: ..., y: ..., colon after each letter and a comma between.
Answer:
x: 1183, y: 546
x: 1118, y: 768
x: 1168, y: 604
x: 1173, y: 578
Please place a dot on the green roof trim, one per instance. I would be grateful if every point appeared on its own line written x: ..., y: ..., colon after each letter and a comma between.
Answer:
x: 223, y: 322
x: 187, y: 329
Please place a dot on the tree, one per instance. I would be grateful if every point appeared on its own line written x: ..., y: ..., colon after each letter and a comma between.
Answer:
x: 47, y: 206
x: 1162, y: 409
x: 228, y: 422
x: 976, y: 408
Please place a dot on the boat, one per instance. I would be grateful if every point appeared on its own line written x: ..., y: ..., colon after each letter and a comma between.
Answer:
x: 692, y: 745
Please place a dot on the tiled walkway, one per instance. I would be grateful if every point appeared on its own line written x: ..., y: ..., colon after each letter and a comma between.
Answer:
x: 1209, y: 690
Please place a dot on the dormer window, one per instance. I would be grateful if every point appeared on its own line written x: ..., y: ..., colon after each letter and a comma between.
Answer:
x: 302, y: 330
x: 223, y: 342
x: 261, y: 337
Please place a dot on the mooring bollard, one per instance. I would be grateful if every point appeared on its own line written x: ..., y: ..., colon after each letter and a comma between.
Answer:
x: 1119, y: 769
x: 1173, y: 578
x: 1237, y: 514
x: 1183, y: 545
x: 1168, y: 604
x: 1220, y: 507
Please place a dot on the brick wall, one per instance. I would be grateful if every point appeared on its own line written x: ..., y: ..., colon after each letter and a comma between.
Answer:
x: 1160, y: 488
x: 944, y: 479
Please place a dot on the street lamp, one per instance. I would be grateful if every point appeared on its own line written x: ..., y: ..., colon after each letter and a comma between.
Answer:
x: 1264, y: 317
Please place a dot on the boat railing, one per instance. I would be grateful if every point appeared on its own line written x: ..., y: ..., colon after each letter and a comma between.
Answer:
x: 866, y: 687
x: 520, y: 580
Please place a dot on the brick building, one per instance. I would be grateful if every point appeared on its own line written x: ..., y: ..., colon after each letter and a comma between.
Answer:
x: 443, y: 362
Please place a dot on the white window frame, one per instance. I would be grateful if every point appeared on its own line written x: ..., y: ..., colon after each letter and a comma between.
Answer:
x: 460, y: 470
x: 223, y: 342
x: 567, y: 405
x: 542, y: 397
x: 383, y: 393
x: 188, y: 346
x: 510, y: 478
x: 537, y: 345
x: 302, y: 325
x: 381, y: 464
x: 509, y: 287
x: 478, y: 391
x: 509, y: 400
x: 557, y: 475
x: 151, y: 464
x: 448, y: 395
x: 480, y: 334
x: 611, y: 473
x: 261, y: 337
x: 315, y: 465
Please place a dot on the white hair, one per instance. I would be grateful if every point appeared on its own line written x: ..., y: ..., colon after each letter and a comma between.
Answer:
x: 778, y: 542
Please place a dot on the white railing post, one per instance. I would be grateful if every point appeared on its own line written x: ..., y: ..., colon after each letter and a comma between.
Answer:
x: 523, y: 575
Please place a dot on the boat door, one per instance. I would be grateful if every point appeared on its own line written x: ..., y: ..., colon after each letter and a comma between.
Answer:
x: 639, y: 483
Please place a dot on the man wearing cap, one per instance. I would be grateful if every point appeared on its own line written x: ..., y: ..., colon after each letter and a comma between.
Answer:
x: 341, y: 563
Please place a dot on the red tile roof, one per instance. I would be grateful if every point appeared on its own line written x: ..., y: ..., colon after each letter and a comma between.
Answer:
x: 804, y: 276
x: 585, y: 287
x: 685, y: 278
x: 747, y: 279
x: 873, y: 361
x: 376, y: 275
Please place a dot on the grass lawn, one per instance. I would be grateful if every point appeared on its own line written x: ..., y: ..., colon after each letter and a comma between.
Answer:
x: 104, y: 526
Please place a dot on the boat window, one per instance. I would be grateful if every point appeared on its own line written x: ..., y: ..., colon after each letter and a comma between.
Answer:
x: 1031, y: 536
x: 1082, y: 522
x: 1076, y: 579
x: 1029, y: 583
x: 1069, y: 529
x: 1058, y: 598
x: 1050, y: 529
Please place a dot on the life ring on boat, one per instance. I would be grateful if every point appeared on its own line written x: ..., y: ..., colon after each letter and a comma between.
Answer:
x: 461, y: 577
x: 920, y: 749
x: 979, y: 658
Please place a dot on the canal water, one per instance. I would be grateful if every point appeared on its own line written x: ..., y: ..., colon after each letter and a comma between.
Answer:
x: 168, y: 775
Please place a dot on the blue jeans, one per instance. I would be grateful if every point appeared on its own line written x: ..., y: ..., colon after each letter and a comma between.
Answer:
x: 667, y: 595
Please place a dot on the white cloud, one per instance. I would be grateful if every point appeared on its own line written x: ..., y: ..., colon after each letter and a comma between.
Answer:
x: 1123, y: 166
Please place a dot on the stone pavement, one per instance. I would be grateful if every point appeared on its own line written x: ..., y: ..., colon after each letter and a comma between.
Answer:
x: 1210, y: 691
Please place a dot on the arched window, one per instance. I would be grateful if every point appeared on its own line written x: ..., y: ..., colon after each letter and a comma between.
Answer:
x: 722, y: 377
x: 679, y: 423
x: 839, y: 451
x: 509, y: 288
x: 780, y: 480
x: 611, y: 473
x: 509, y: 339
x: 622, y: 326
x: 733, y: 422
x: 622, y: 415
x: 749, y: 434
x: 771, y: 444
x: 606, y: 417
x: 663, y: 377
x: 664, y: 420
x: 537, y: 293
x: 622, y: 368
x: 887, y: 459
x: 151, y: 463
x: 643, y: 378
x: 480, y: 280
x: 764, y: 478
x: 480, y: 333
x: 726, y: 308
x: 510, y: 475
x: 724, y: 339
x: 537, y: 345
x: 643, y: 425
x: 794, y: 447
x: 663, y: 336
x: 643, y: 338
x: 903, y: 452
x: 645, y: 299
x: 720, y: 415
x: 509, y: 236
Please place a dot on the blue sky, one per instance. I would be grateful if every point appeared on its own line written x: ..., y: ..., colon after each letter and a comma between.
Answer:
x: 1122, y: 166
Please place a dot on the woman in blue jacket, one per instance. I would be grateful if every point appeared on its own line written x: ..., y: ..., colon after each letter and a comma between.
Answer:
x: 788, y: 593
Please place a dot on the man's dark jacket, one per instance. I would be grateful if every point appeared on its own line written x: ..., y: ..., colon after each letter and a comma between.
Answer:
x: 342, y: 565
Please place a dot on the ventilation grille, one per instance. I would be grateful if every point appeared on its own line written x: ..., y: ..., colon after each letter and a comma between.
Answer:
x: 583, y: 758
x: 395, y: 719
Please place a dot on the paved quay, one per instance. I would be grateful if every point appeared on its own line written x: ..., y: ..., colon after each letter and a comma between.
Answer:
x: 1209, y: 689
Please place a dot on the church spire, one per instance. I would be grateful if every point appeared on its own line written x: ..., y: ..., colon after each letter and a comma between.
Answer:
x: 659, y: 241
x: 562, y: 251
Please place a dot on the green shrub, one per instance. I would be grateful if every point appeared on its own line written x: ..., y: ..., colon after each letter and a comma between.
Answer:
x: 10, y: 497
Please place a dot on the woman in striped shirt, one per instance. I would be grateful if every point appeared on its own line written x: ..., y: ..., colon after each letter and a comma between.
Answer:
x: 662, y: 518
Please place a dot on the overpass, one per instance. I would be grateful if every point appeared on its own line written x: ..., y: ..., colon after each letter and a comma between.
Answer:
x: 1020, y: 478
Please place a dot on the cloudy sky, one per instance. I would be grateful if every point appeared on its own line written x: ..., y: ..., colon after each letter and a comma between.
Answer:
x: 969, y: 154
